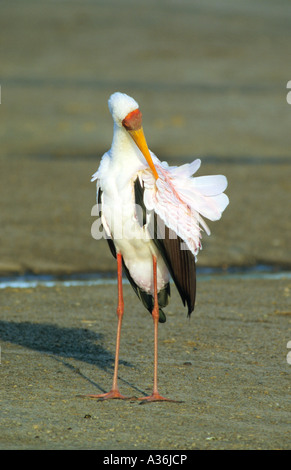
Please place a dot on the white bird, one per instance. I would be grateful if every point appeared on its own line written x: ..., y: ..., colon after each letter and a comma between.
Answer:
x: 152, y: 216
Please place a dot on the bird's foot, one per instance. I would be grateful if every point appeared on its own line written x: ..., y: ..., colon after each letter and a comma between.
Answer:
x: 113, y: 394
x: 156, y: 397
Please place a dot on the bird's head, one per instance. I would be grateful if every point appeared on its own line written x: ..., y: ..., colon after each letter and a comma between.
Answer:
x: 125, y: 112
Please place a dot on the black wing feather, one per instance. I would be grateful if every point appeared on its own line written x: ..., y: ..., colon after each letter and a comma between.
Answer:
x: 180, y: 262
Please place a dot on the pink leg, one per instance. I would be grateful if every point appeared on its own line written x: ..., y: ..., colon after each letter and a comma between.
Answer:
x: 155, y: 396
x: 114, y: 392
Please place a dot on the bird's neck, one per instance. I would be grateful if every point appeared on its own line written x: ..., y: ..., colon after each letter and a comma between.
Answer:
x: 125, y: 153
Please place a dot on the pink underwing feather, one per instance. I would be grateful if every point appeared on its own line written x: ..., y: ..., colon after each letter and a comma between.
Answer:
x: 182, y: 200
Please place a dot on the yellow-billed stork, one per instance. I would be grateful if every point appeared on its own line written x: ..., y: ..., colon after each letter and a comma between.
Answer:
x: 152, y: 214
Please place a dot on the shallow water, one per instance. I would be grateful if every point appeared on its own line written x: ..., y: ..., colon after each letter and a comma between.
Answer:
x: 90, y: 279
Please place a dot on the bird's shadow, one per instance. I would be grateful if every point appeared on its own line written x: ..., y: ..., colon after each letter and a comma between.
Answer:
x: 61, y: 343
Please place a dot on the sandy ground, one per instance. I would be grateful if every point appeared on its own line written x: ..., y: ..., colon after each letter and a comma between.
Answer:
x: 211, y: 79
x: 227, y: 364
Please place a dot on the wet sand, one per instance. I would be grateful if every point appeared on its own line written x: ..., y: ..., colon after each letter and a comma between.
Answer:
x: 211, y: 81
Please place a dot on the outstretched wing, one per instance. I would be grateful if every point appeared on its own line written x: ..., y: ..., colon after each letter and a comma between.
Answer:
x: 180, y: 262
x: 178, y: 203
x: 182, y: 201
